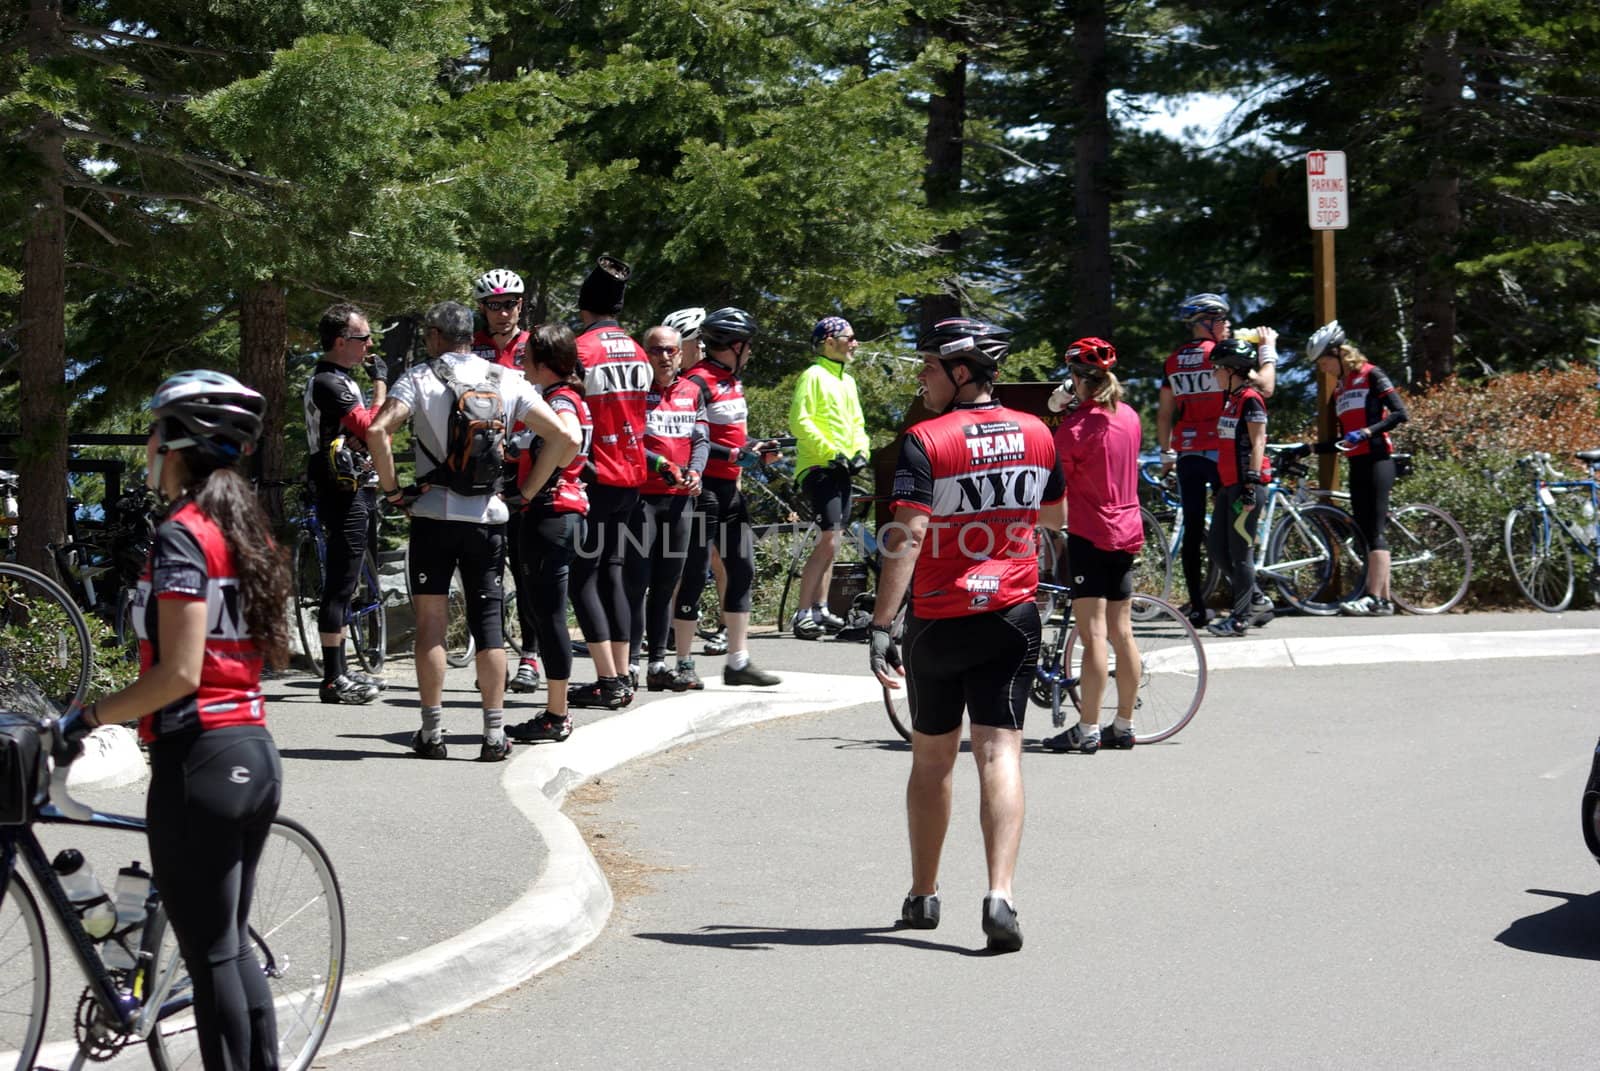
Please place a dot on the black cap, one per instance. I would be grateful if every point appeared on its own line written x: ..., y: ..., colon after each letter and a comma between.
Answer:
x: 602, y: 290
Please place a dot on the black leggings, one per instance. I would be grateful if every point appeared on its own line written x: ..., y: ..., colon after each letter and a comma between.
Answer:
x: 549, y: 543
x: 1197, y: 477
x: 1371, y: 481
x: 721, y: 517
x: 347, y: 519
x: 212, y: 799
x: 1235, y: 551
x: 659, y: 541
x: 527, y: 628
x: 600, y: 594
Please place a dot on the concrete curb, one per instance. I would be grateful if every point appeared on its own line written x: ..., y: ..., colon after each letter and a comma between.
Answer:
x: 569, y: 903
x: 1400, y: 647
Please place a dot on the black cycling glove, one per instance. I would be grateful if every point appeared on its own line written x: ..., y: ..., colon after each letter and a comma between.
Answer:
x: 378, y: 367
x: 883, y: 652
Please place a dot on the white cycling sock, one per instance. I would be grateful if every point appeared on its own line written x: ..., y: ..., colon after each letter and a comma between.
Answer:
x: 738, y: 659
x: 494, y: 726
x: 1124, y: 725
x: 432, y: 724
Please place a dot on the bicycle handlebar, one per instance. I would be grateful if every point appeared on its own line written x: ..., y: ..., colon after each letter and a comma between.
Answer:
x: 62, y: 799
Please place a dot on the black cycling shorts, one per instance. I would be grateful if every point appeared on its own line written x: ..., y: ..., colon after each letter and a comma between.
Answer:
x: 982, y: 664
x: 438, y: 548
x: 1099, y: 574
x: 829, y: 492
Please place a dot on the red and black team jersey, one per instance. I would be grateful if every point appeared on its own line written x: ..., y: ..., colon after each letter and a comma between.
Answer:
x: 981, y: 472
x: 670, y: 415
x: 335, y: 405
x: 1360, y: 401
x: 189, y: 559
x: 722, y: 395
x: 1194, y: 387
x: 616, y: 376
x: 1242, y: 407
x: 564, y: 493
x: 509, y: 356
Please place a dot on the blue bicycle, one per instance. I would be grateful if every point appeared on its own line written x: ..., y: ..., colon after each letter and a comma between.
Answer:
x: 1540, y: 538
x: 366, y: 620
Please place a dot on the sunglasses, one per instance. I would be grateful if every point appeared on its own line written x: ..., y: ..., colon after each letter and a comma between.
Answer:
x: 502, y: 306
x: 660, y: 351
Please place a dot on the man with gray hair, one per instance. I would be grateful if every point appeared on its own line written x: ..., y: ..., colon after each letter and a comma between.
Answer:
x: 463, y: 406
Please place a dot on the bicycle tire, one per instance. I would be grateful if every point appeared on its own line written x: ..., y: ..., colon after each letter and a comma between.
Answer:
x: 1300, y: 560
x: 459, y: 644
x: 1349, y: 577
x: 1152, y: 567
x: 1589, y: 816
x: 1172, y: 673
x: 1049, y: 682
x: 123, y: 627
x: 369, y: 625
x: 307, y: 603
x: 24, y: 1002
x: 1541, y: 560
x: 46, y: 637
x: 797, y: 551
x: 297, y: 922
x: 897, y: 701
x: 1430, y: 559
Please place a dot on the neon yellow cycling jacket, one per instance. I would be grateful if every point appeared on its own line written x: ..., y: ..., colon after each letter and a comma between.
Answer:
x: 825, y: 416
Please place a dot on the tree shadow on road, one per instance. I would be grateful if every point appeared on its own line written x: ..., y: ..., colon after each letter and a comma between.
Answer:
x: 765, y: 938
x: 1570, y: 928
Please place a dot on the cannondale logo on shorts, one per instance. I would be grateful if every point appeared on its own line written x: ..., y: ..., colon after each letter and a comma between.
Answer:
x: 239, y: 775
x: 422, y: 578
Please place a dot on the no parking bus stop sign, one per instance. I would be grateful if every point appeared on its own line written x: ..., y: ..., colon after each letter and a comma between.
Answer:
x: 1327, y: 191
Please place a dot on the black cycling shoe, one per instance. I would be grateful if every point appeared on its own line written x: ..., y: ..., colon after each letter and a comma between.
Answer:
x: 427, y: 749
x: 750, y: 675
x: 920, y: 912
x: 367, y: 678
x: 345, y: 689
x: 661, y: 680
x: 608, y: 694
x: 1115, y: 739
x: 497, y: 752
x: 1261, y: 612
x: 547, y: 726
x: 1073, y: 739
x: 1000, y: 925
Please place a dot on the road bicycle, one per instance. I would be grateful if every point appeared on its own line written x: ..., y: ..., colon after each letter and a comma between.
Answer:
x: 100, y: 568
x: 1540, y: 538
x: 297, y: 925
x: 44, y: 638
x: 366, y: 618
x: 1172, y: 661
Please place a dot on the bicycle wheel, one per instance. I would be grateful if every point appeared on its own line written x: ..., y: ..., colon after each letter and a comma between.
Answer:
x: 1349, y: 577
x: 307, y: 599
x: 1172, y: 672
x: 297, y: 924
x: 44, y: 638
x: 896, y: 701
x: 25, y: 995
x: 793, y: 549
x: 1050, y: 682
x: 459, y: 646
x: 1152, y: 569
x: 126, y: 632
x: 368, y: 618
x: 1541, y: 560
x: 1430, y: 559
x: 1300, y: 561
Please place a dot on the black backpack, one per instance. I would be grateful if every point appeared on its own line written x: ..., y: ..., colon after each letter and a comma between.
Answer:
x: 475, y: 437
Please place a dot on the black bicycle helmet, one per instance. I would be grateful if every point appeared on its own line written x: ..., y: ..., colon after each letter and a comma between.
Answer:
x: 723, y: 328
x: 1236, y: 354
x: 1199, y: 306
x: 959, y: 338
x: 220, y: 417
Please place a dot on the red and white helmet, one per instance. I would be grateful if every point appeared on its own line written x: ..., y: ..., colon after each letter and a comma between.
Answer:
x: 1091, y: 352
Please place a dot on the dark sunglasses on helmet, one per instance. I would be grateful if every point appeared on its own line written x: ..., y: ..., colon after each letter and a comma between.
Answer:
x: 502, y: 306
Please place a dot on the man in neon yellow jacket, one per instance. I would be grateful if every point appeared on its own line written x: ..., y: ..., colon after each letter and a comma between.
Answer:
x: 831, y: 447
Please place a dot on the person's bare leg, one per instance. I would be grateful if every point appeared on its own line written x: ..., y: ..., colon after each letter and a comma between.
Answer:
x: 928, y: 795
x: 1119, y: 629
x: 817, y: 573
x: 1000, y: 807
x: 1378, y: 574
x: 430, y: 612
x: 1091, y: 617
x: 738, y: 630
x: 491, y: 666
x: 557, y: 704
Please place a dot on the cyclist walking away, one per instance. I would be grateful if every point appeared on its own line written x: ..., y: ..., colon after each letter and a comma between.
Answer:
x: 339, y: 469
x: 1098, y: 446
x: 616, y: 378
x: 210, y: 615
x: 1368, y: 407
x: 1243, y: 469
x: 675, y: 446
x: 504, y: 342
x: 549, y: 478
x: 459, y: 406
x: 831, y: 446
x: 969, y: 487
x: 1186, y: 427
x: 722, y: 517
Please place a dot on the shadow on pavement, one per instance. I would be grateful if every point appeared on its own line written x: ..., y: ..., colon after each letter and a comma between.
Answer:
x: 844, y: 743
x: 1570, y: 928
x: 399, y: 747
x: 764, y: 938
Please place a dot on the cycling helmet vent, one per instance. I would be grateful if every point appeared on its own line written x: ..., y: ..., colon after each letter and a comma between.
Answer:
x: 1200, y: 306
x: 686, y: 322
x: 1324, y: 338
x: 216, y: 410
x: 964, y: 339
x: 497, y: 281
x: 1091, y: 352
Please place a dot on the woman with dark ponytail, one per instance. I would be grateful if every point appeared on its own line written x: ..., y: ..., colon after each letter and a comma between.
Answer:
x: 210, y: 617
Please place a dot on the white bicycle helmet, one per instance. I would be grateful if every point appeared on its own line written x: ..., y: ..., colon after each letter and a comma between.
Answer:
x: 220, y: 417
x: 686, y: 322
x: 1328, y: 335
x: 497, y: 281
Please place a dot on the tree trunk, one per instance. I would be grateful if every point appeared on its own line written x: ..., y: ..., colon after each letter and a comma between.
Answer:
x: 263, y: 347
x: 941, y: 183
x: 1438, y: 221
x: 1091, y: 253
x: 42, y: 362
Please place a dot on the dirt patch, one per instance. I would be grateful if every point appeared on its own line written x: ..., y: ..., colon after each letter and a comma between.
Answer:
x: 629, y: 873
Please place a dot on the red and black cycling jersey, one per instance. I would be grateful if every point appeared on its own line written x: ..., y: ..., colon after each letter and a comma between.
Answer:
x: 508, y: 356
x: 1195, y: 392
x: 190, y: 560
x: 335, y: 406
x: 1243, y: 407
x: 1360, y: 400
x: 564, y: 491
x: 725, y: 413
x: 981, y: 472
x: 670, y: 416
x: 616, y: 376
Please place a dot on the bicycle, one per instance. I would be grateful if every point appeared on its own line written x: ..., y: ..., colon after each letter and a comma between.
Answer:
x: 44, y: 638
x: 1539, y: 540
x: 366, y: 618
x: 297, y: 924
x: 1172, y: 670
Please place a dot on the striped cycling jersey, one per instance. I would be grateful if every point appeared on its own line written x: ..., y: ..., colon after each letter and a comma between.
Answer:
x: 1243, y: 407
x: 722, y: 396
x: 564, y: 492
x: 1360, y: 400
x: 616, y: 376
x: 1193, y: 382
x: 670, y: 416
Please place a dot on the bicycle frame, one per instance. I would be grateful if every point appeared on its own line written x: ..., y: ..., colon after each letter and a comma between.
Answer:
x: 1544, y: 492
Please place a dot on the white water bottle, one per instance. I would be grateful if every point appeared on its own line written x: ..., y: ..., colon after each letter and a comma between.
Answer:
x: 88, y: 896
x: 132, y: 890
x: 1590, y: 525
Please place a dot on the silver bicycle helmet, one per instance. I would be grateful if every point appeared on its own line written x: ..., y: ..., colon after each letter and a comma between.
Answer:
x: 220, y: 416
x: 497, y: 281
x: 686, y: 322
x: 1324, y: 338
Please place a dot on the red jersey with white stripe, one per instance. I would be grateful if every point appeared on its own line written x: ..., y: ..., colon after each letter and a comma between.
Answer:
x: 616, y: 376
x: 981, y: 472
x: 508, y: 356
x: 1240, y: 409
x: 190, y: 560
x: 1360, y: 403
x: 1193, y: 382
x: 670, y: 414
x: 725, y: 415
x: 565, y: 492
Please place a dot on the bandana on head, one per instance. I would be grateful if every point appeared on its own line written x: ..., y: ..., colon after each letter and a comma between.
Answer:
x: 829, y: 327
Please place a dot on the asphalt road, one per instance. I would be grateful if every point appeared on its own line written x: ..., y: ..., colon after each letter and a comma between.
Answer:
x: 1373, y: 866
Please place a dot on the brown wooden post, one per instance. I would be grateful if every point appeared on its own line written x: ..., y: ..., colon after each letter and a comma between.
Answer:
x: 1323, y: 301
